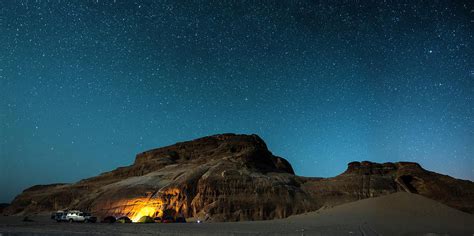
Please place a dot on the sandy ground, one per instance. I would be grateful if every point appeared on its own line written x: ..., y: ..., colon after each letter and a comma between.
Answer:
x: 396, y: 214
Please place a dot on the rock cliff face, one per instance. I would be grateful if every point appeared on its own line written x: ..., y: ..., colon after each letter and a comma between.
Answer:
x: 367, y: 179
x: 232, y: 177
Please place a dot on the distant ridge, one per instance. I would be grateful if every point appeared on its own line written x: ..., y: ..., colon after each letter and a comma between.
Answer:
x: 230, y: 177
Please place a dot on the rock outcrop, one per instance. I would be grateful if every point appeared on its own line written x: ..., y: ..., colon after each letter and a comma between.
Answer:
x: 367, y: 179
x: 232, y: 177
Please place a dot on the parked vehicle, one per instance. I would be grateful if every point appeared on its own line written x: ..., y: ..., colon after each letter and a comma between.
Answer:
x: 79, y: 216
x: 59, y: 216
x: 90, y: 218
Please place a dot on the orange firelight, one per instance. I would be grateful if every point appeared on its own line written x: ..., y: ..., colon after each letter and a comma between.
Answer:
x: 150, y: 205
x: 144, y: 211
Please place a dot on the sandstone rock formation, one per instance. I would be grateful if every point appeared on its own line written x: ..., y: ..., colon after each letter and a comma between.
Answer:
x: 232, y: 177
x: 367, y: 179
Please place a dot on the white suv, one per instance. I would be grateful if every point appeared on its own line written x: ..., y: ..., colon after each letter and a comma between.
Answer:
x: 79, y: 216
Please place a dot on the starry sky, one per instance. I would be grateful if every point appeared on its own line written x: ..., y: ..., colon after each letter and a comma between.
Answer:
x: 86, y: 85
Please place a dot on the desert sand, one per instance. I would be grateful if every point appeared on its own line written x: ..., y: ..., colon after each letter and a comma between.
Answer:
x: 396, y: 214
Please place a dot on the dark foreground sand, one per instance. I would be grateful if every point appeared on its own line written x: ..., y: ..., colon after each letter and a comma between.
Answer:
x: 396, y: 214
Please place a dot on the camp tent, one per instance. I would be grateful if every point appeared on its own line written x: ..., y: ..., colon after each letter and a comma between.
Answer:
x: 124, y: 220
x: 109, y: 219
x: 145, y: 219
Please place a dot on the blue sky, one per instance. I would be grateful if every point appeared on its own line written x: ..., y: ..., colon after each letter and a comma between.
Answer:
x: 86, y: 85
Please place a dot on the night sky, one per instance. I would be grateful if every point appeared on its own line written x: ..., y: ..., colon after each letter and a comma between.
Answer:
x: 86, y: 85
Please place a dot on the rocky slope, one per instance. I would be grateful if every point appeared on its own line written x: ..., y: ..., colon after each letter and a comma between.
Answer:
x: 232, y: 177
x: 367, y: 179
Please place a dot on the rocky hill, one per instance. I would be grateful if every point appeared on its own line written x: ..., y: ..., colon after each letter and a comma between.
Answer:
x: 232, y: 177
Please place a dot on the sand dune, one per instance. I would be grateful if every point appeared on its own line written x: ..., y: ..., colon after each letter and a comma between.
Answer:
x: 395, y: 214
x: 398, y: 213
